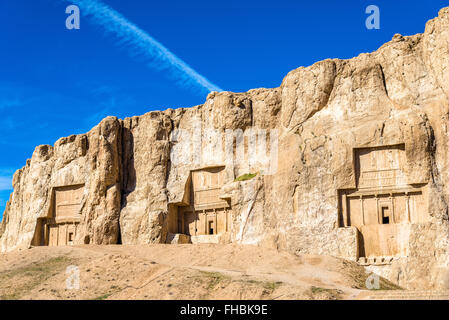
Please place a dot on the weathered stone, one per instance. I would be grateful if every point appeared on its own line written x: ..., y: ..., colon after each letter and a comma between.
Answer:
x: 178, y: 238
x: 85, y: 171
x: 359, y: 168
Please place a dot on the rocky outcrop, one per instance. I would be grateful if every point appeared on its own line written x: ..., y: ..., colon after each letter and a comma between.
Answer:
x: 135, y: 171
x: 92, y: 160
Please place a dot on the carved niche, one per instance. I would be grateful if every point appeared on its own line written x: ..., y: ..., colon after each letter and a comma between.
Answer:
x: 206, y: 213
x: 59, y: 228
x: 382, y: 206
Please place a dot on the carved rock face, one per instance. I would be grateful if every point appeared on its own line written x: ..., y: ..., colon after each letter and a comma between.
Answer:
x: 361, y: 168
x: 69, y: 193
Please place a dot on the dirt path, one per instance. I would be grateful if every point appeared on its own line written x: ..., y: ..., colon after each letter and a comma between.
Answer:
x: 177, y: 272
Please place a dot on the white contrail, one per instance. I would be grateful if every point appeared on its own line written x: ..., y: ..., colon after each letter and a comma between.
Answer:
x: 5, y: 183
x: 140, y: 43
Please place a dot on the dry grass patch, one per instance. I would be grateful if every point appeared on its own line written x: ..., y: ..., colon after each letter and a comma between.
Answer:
x: 318, y: 293
x: 20, y: 281
x: 214, y: 279
x: 359, y: 276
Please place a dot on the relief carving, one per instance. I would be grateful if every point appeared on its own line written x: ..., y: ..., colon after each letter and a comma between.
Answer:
x: 59, y: 228
x: 383, y: 205
x: 206, y: 214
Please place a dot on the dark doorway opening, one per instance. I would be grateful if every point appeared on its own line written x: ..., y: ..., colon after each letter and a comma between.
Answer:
x: 211, y: 227
x: 385, y: 215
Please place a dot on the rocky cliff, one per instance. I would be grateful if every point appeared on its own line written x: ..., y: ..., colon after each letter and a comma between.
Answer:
x: 321, y: 122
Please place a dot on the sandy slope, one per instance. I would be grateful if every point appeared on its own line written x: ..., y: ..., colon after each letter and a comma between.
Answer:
x: 177, y: 272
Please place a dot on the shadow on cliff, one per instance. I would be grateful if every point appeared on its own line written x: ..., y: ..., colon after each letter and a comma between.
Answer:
x: 128, y: 170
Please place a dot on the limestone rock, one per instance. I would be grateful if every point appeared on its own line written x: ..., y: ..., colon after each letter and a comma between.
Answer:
x: 92, y: 161
x: 358, y: 168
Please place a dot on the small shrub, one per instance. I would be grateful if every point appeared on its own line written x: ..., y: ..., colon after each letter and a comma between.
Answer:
x: 247, y: 176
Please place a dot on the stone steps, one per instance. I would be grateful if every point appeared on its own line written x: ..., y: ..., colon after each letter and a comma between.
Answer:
x: 406, y: 295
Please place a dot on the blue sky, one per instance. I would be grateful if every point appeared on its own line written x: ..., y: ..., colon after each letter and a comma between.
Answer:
x: 55, y: 82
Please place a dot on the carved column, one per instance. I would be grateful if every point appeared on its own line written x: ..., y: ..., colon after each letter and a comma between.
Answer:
x: 344, y: 209
x: 362, y: 211
x: 196, y: 220
x: 216, y: 222
x: 57, y: 234
x: 407, y: 206
x: 393, y: 217
x: 46, y: 233
x: 206, y: 222
x: 379, y: 215
x: 226, y: 219
x: 182, y: 222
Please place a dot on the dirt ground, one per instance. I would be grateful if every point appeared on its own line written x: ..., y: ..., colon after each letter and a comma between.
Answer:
x: 205, y: 271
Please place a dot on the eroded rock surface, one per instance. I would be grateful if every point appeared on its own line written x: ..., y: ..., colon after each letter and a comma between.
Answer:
x: 359, y: 168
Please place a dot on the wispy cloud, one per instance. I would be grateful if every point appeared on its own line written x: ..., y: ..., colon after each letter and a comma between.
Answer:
x: 11, y: 97
x: 10, y: 103
x: 4, y: 197
x: 95, y: 118
x: 5, y: 188
x: 5, y: 183
x: 139, y: 43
